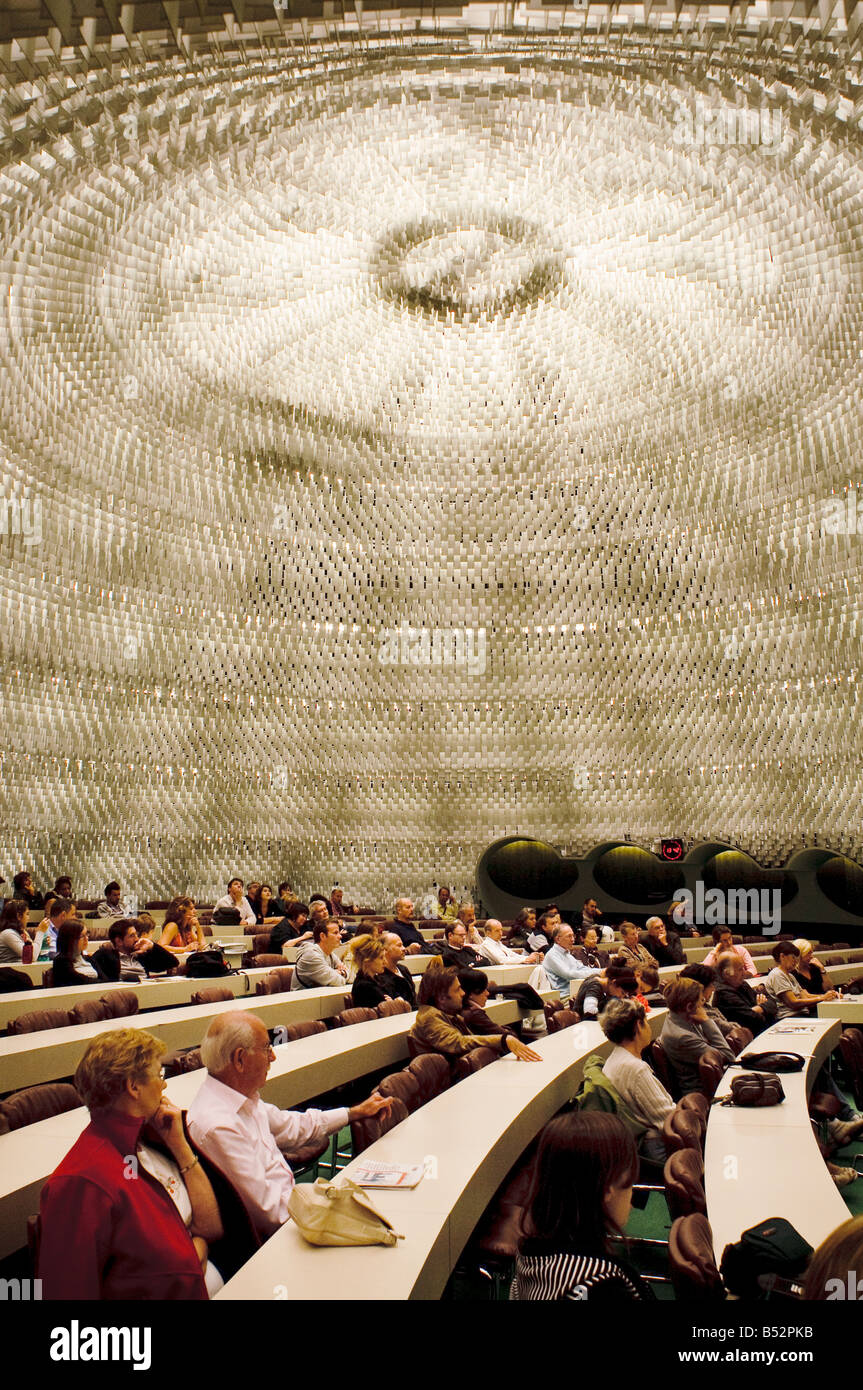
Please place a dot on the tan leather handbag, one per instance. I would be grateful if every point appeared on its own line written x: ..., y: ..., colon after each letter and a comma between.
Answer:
x: 329, y: 1213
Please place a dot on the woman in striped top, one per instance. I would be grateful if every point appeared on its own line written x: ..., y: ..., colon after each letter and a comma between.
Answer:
x: 578, y: 1206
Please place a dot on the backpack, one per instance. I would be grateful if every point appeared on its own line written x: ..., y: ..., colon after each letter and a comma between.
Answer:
x: 597, y: 1093
x: 207, y: 965
x: 771, y: 1247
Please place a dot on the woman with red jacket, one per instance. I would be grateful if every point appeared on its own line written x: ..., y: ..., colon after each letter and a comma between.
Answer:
x: 131, y: 1212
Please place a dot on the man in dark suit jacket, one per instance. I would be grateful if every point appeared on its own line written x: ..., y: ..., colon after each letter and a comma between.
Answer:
x: 454, y: 949
x: 404, y: 928
x: 663, y: 944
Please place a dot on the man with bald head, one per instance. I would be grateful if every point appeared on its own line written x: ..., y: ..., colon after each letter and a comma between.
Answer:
x: 243, y: 1135
x: 663, y: 944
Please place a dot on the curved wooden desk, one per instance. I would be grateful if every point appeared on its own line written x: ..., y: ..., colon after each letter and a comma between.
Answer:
x: 763, y: 1163
x: 472, y: 1134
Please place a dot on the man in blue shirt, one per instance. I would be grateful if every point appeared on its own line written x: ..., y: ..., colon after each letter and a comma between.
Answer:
x: 561, y: 966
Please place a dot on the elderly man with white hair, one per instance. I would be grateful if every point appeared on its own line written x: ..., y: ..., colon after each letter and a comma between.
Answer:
x: 243, y: 1135
x: 662, y: 943
x: 561, y: 966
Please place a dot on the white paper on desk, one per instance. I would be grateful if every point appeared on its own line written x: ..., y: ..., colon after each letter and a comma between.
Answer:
x: 376, y: 1174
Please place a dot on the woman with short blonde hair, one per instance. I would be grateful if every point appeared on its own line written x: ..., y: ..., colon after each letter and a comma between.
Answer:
x: 368, y: 954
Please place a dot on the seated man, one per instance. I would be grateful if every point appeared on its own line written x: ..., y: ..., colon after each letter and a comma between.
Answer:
x: 467, y: 916
x: 454, y: 948
x: 316, y: 965
x: 738, y: 1000
x: 283, y: 901
x: 242, y: 1134
x: 723, y: 944
x: 405, y: 929
x: 590, y: 917
x: 395, y: 979
x: 111, y: 906
x: 339, y: 906
x: 663, y: 945
x: 290, y: 931
x: 23, y: 891
x: 615, y: 982
x: 123, y: 955
x: 440, y: 1028
x: 236, y: 899
x: 60, y: 910
x: 780, y: 984
x: 492, y: 949
x: 446, y: 907
x: 560, y: 964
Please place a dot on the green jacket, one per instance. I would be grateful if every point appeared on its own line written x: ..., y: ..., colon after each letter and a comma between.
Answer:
x: 597, y: 1093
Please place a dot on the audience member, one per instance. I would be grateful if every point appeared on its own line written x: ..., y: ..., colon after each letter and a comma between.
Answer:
x: 647, y: 977
x: 578, y: 1206
x: 707, y: 979
x: 14, y: 935
x: 614, y: 982
x: 123, y: 955
x: 60, y: 910
x: 587, y: 950
x: 439, y: 1026
x: 590, y: 917
x: 454, y: 948
x: 738, y: 1000
x: 111, y: 906
x: 663, y: 944
x: 368, y: 954
x: 541, y: 938
x: 23, y: 891
x: 316, y: 964
x: 631, y: 951
x: 781, y: 984
x: 474, y: 984
x: 290, y: 930
x: 263, y: 906
x: 833, y: 1273
x: 688, y: 1032
x: 235, y: 898
x: 181, y: 931
x: 396, y: 979
x: 403, y: 926
x: 724, y: 944
x: 245, y: 1136
x: 340, y: 907
x: 492, y: 949
x: 63, y: 887
x: 561, y: 966
x: 71, y: 965
x: 103, y: 1236
x: 446, y: 908
x: 809, y: 972
x: 157, y: 960
x: 624, y: 1023
x: 284, y: 900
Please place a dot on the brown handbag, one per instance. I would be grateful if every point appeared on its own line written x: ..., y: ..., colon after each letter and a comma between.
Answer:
x: 756, y: 1088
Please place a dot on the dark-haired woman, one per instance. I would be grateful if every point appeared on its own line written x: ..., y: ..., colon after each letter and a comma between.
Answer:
x: 13, y: 931
x: 579, y: 1203
x: 71, y: 966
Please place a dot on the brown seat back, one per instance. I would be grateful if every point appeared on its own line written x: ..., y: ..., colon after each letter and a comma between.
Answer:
x: 711, y: 1068
x: 348, y: 1017
x: 562, y: 1018
x: 691, y: 1265
x: 13, y: 980
x: 474, y: 1061
x: 39, y: 1020
x: 89, y: 1011
x: 120, y: 1003
x: 366, y: 1130
x: 432, y: 1073
x: 683, y: 1176
x: 36, y: 1103
x: 216, y: 994
x: 405, y: 1086
x: 307, y: 1028
x: 267, y: 962
x: 698, y: 1102
x: 277, y: 982
x: 390, y: 1007
x: 657, y: 1058
x: 738, y: 1038
x: 261, y: 943
x: 683, y: 1129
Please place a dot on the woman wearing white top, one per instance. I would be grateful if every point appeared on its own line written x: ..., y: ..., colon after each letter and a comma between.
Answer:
x: 13, y: 931
x: 624, y: 1023
x: 491, y: 946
